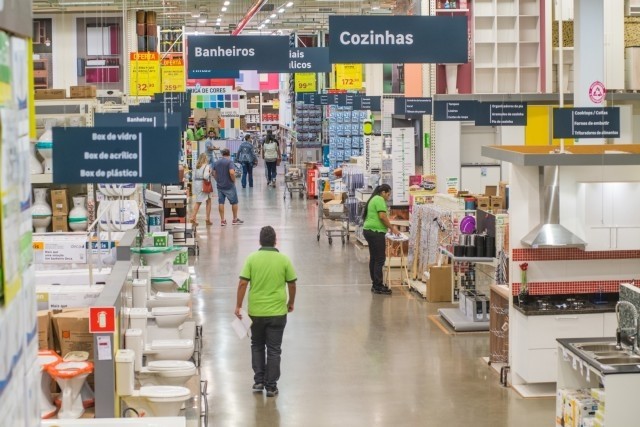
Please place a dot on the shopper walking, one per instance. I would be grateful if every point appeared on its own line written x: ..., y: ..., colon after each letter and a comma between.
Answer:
x: 210, y: 146
x: 202, y: 176
x: 246, y: 155
x: 376, y: 224
x: 224, y: 173
x: 271, y: 156
x: 266, y: 272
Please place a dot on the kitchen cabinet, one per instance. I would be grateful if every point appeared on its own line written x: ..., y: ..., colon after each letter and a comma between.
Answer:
x: 535, y: 347
x: 103, y: 74
x: 41, y: 73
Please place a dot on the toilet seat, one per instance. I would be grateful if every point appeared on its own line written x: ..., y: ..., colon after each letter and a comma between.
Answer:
x: 171, y: 344
x: 47, y: 358
x: 68, y: 370
x: 169, y: 365
x: 164, y: 393
x: 173, y: 296
x: 169, y: 311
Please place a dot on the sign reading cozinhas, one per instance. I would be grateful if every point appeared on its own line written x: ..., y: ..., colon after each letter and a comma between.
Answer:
x: 398, y: 39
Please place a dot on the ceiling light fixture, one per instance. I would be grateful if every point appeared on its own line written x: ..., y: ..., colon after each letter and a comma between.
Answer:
x: 375, y: 7
x: 224, y: 9
x: 273, y: 15
x: 227, y: 3
x: 290, y: 4
x: 281, y: 10
x: 203, y: 18
x: 266, y: 21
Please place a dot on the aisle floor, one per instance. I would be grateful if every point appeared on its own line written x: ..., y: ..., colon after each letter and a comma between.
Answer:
x: 349, y: 358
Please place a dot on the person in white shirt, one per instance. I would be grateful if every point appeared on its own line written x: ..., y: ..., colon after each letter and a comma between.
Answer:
x: 271, y: 156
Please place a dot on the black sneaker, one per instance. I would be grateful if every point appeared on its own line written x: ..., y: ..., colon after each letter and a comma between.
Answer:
x: 258, y: 387
x: 381, y: 291
x: 272, y: 391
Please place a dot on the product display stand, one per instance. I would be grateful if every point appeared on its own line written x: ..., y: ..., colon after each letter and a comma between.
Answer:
x: 395, y: 249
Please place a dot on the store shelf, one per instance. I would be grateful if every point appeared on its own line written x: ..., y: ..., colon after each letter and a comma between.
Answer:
x: 487, y: 260
x: 42, y: 178
x: 452, y: 10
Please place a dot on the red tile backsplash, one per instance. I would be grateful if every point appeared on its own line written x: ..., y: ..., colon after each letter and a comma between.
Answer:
x: 560, y: 288
x: 570, y: 254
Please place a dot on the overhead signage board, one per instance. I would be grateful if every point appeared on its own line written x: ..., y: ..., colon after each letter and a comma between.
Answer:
x: 115, y: 155
x: 302, y: 60
x: 588, y: 122
x: 16, y: 17
x: 373, y: 103
x: 501, y: 114
x: 413, y: 106
x: 454, y: 111
x: 305, y: 82
x: 144, y: 73
x: 137, y: 119
x: 207, y: 53
x: 398, y: 39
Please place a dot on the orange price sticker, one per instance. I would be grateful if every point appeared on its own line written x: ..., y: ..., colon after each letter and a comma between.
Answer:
x: 38, y: 246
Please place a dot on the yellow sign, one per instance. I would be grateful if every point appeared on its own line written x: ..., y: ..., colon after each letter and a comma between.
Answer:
x: 38, y: 246
x: 305, y: 82
x: 172, y: 71
x: 348, y: 76
x: 144, y: 73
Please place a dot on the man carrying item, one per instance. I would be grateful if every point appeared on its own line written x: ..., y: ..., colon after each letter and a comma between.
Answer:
x: 267, y: 270
x: 210, y: 146
x: 246, y: 155
x: 225, y: 175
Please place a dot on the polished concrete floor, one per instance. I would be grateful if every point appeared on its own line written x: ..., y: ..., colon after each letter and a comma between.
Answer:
x: 349, y: 358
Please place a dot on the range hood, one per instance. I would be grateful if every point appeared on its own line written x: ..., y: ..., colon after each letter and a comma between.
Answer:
x: 550, y: 234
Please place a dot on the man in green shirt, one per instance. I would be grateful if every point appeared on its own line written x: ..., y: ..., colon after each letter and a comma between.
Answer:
x: 197, y: 134
x: 268, y: 271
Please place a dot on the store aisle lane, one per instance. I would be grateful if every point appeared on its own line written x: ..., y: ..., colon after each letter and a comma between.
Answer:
x: 349, y: 358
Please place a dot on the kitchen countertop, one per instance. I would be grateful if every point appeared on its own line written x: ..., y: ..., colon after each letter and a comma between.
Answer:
x: 603, y: 369
x: 501, y: 290
x: 533, y: 310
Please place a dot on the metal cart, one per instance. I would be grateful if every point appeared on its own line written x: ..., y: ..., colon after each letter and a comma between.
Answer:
x: 334, y: 220
x: 294, y: 180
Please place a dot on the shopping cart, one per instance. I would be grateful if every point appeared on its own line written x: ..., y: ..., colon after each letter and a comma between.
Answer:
x: 333, y: 218
x: 294, y: 180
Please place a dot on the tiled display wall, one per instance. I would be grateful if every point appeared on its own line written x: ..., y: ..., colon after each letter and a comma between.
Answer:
x: 570, y: 254
x: 575, y: 287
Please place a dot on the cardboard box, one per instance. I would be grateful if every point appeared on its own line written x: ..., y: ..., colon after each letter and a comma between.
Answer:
x: 327, y: 195
x: 51, y: 94
x: 60, y: 224
x: 59, y: 203
x: 491, y: 190
x: 88, y: 91
x: 161, y: 239
x: 496, y: 203
x: 45, y: 330
x: 483, y: 203
x: 72, y: 331
x: 502, y: 189
x: 439, y: 284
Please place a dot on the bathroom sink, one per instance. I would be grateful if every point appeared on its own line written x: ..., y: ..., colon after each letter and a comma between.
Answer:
x: 597, y: 347
x: 622, y: 360
x: 599, y: 355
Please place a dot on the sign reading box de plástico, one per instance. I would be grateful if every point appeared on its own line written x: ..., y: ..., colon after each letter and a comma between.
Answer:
x: 207, y: 53
x: 588, y: 122
x: 115, y: 155
x: 398, y: 39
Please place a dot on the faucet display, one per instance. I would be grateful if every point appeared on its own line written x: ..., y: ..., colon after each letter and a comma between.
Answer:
x: 633, y: 337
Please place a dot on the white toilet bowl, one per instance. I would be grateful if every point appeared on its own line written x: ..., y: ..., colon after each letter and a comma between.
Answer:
x: 46, y: 358
x: 167, y: 372
x: 70, y: 376
x: 170, y: 317
x: 169, y: 350
x: 45, y: 148
x: 169, y: 299
x: 164, y: 284
x: 160, y: 259
x: 153, y: 401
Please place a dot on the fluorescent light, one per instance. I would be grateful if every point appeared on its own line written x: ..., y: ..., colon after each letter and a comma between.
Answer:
x: 203, y: 18
x: 224, y: 9
x: 273, y: 15
x: 266, y: 21
x: 227, y: 3
x: 281, y: 10
x: 261, y: 26
x: 290, y: 4
x: 375, y: 7
x: 87, y: 3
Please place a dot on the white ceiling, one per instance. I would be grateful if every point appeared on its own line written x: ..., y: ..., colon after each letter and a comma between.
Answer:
x: 304, y: 16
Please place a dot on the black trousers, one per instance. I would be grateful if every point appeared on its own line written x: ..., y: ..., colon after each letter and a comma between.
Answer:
x: 266, y: 333
x: 272, y: 170
x: 377, y: 256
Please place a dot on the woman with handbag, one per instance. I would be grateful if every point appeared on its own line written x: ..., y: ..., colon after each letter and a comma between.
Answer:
x: 202, y: 187
x: 271, y: 156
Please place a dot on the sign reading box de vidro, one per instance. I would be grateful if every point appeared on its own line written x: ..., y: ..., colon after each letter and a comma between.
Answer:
x: 115, y: 155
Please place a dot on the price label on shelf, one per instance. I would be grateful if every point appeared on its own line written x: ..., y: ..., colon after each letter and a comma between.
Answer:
x: 348, y: 76
x: 305, y: 82
x: 173, y: 76
x: 144, y: 73
x: 60, y: 249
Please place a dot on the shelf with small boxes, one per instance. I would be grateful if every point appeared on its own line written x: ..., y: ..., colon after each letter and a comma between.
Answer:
x: 345, y: 133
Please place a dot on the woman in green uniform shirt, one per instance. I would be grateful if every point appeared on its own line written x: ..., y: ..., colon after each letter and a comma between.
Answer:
x: 376, y: 224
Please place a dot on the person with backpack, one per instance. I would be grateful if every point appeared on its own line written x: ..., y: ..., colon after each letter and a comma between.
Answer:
x: 271, y: 156
x: 246, y: 155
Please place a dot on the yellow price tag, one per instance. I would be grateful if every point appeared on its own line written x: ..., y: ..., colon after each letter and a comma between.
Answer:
x: 305, y: 82
x: 348, y: 76
x: 38, y: 246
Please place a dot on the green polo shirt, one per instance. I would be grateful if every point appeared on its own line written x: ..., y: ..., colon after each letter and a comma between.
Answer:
x: 372, y: 221
x: 268, y: 271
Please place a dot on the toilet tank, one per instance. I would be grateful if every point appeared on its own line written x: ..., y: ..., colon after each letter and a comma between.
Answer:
x: 124, y: 372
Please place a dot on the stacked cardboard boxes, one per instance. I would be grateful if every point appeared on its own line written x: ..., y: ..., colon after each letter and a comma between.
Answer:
x: 60, y: 208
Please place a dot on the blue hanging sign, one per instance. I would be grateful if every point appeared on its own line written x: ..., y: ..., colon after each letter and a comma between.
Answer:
x: 588, y: 122
x: 501, y: 114
x: 398, y: 39
x: 454, y: 111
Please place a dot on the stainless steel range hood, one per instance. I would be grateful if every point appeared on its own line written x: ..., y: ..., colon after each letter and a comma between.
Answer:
x: 550, y: 234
